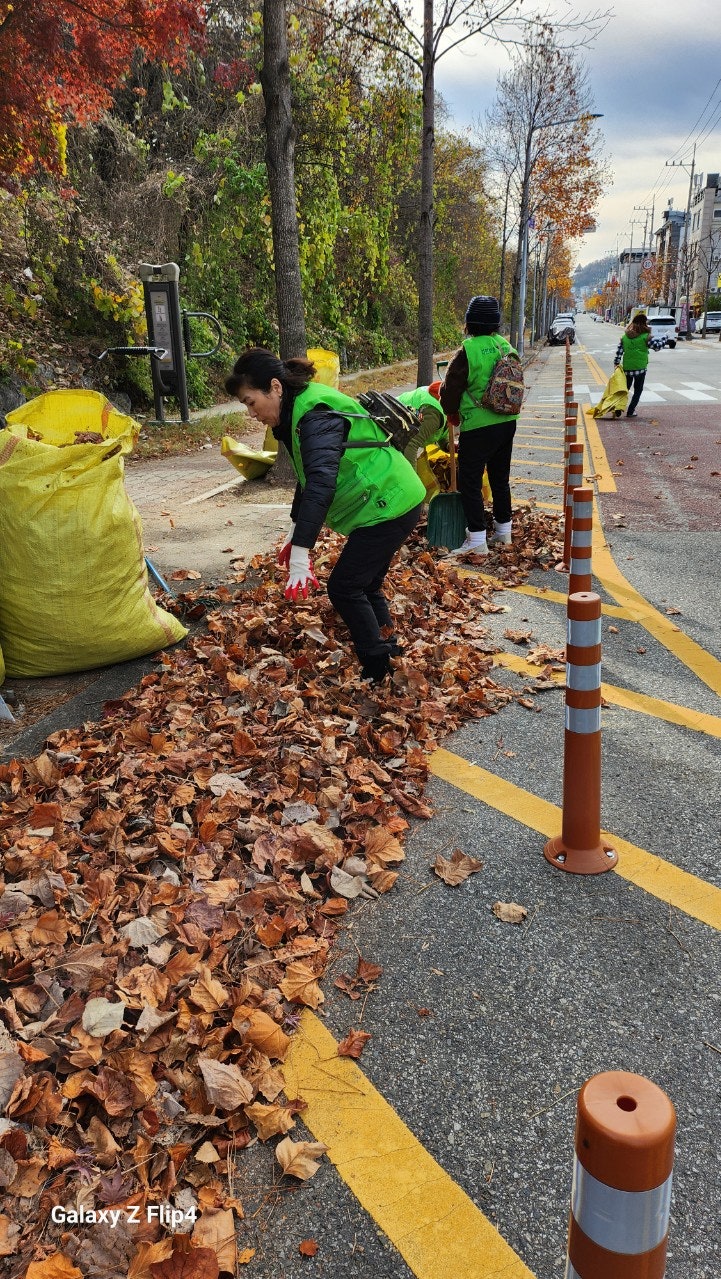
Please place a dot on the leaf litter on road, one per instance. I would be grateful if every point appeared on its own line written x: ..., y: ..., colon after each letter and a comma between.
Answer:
x: 172, y: 887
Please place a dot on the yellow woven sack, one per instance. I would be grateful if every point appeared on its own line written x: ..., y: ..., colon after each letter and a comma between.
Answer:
x: 73, y: 582
x: 252, y: 463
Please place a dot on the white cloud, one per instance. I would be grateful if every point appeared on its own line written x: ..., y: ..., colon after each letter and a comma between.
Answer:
x: 652, y: 71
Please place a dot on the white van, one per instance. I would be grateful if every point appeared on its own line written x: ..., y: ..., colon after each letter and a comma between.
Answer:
x: 713, y: 322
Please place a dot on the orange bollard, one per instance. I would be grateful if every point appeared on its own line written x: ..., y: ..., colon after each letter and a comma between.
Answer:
x: 622, y: 1175
x: 574, y: 478
x: 581, y: 541
x: 570, y: 421
x: 579, y: 847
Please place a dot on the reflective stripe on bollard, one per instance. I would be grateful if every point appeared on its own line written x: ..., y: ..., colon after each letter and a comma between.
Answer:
x: 623, y: 1168
x: 573, y: 481
x: 570, y: 429
x: 581, y: 541
x: 579, y: 848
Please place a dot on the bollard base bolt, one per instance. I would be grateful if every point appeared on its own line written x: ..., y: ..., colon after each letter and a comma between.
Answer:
x: 580, y: 861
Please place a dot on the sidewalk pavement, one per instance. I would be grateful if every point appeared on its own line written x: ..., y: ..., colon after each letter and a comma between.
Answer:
x: 451, y: 1146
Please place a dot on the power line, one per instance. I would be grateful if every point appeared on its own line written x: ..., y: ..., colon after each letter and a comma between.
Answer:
x: 684, y: 145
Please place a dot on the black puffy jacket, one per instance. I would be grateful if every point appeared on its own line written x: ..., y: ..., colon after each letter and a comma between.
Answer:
x: 322, y: 436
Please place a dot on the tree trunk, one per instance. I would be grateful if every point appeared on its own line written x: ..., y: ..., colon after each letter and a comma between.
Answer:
x: 504, y: 245
x: 280, y: 160
x: 517, y: 320
x: 425, y: 229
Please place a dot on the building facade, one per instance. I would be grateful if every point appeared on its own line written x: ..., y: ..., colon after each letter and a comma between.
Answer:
x: 668, y: 243
x: 704, y: 262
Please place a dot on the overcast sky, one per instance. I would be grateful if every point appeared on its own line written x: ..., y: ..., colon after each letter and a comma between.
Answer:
x: 652, y: 72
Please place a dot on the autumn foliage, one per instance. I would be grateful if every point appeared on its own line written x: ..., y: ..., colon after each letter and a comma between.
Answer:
x: 60, y: 62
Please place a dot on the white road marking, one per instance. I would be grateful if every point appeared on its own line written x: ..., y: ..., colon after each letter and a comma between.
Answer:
x: 698, y: 386
x: 697, y: 396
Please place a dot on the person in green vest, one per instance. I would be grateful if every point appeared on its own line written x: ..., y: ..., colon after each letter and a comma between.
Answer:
x: 632, y: 356
x: 486, y: 438
x: 351, y: 478
x: 433, y: 428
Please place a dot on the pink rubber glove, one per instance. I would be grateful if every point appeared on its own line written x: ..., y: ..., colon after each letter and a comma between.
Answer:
x: 300, y: 574
x: 283, y: 556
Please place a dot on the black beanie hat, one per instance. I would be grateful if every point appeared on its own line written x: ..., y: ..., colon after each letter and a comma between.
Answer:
x: 483, y: 310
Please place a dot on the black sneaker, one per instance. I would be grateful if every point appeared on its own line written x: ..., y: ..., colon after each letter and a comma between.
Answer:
x: 376, y: 668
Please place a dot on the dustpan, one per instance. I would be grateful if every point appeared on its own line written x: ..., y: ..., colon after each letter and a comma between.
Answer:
x: 446, y: 517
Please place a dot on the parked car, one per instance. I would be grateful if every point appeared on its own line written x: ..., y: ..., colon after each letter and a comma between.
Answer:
x: 713, y: 322
x: 562, y: 327
x: 664, y: 326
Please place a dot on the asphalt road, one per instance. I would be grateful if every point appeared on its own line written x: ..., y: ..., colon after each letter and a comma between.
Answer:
x: 482, y: 1032
x: 451, y: 1143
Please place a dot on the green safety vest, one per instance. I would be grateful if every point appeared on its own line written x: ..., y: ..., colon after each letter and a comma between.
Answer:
x: 375, y: 483
x: 419, y: 398
x: 483, y: 354
x: 635, y: 353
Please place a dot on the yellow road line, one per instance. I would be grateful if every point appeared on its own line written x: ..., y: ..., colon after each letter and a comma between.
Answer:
x: 526, y: 479
x: 435, y: 1226
x: 660, y: 625
x: 527, y: 461
x: 542, y: 448
x: 601, y: 465
x: 626, y: 698
x: 653, y: 874
x: 595, y: 367
x: 610, y: 577
x: 541, y: 592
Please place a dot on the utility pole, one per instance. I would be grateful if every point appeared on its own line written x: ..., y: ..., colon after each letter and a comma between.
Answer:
x: 683, y: 164
x: 632, y: 290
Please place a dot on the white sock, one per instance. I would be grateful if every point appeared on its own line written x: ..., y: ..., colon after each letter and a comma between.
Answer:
x: 503, y: 528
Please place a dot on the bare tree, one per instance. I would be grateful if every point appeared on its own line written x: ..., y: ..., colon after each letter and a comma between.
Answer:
x: 541, y: 121
x: 708, y: 263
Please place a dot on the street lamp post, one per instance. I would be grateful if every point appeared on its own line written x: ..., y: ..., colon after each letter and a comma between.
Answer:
x: 526, y: 218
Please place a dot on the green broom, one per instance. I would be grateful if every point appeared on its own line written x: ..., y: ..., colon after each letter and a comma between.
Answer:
x: 446, y: 517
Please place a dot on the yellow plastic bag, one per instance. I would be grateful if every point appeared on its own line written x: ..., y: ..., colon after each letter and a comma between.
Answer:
x: 73, y: 581
x: 327, y: 366
x: 615, y: 396
x: 2, y: 668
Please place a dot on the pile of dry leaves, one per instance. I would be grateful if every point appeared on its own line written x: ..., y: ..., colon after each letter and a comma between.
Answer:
x: 173, y: 880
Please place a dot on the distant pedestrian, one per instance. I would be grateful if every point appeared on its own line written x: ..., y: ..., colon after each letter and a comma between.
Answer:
x: 486, y: 437
x: 350, y: 478
x: 632, y: 357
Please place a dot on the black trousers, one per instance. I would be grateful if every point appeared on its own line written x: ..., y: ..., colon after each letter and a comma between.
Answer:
x: 486, y: 448
x: 636, y: 380
x: 354, y: 586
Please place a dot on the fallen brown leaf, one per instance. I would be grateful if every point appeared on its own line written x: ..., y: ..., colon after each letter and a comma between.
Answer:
x: 509, y: 912
x: 299, y: 1158
x: 457, y: 868
x: 353, y: 1044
